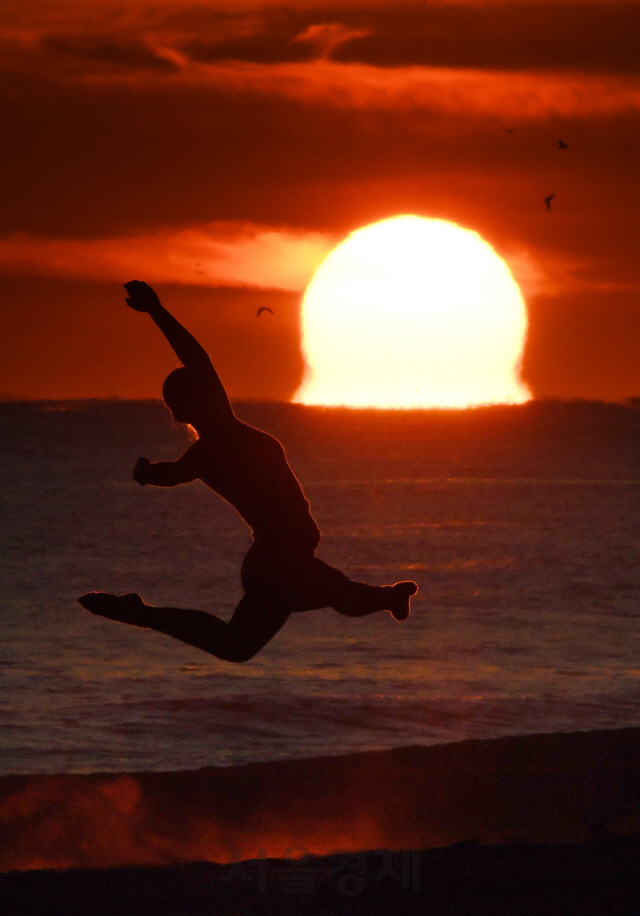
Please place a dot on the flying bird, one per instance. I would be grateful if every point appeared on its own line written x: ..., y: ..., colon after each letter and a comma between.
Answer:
x: 562, y: 144
x: 548, y: 200
x: 264, y: 308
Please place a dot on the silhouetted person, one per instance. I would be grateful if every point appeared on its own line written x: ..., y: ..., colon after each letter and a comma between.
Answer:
x: 247, y: 467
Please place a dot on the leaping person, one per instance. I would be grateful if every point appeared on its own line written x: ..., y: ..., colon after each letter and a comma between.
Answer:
x: 280, y: 574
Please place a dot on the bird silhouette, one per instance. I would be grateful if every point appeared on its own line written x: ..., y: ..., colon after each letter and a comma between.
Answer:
x: 264, y: 308
x: 562, y: 144
x: 548, y: 200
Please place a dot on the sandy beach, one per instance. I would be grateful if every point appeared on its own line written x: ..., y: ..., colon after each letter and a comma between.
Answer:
x: 549, y: 823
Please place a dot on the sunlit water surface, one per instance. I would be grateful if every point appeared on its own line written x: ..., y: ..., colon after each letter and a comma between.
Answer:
x: 520, y: 525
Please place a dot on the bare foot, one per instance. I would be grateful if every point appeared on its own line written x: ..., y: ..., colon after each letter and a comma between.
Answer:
x: 123, y: 608
x: 401, y: 593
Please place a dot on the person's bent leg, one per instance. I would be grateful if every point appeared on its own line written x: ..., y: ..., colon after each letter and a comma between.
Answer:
x: 250, y: 628
x: 254, y: 623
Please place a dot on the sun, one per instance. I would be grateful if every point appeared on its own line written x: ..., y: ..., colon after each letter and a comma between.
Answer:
x: 413, y: 312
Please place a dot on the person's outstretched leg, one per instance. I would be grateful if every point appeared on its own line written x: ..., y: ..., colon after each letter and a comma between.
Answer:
x: 356, y: 600
x: 251, y: 627
x: 321, y: 585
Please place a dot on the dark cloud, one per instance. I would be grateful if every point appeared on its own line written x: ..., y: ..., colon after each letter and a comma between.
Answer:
x: 125, y: 55
x: 586, y: 36
x: 98, y: 161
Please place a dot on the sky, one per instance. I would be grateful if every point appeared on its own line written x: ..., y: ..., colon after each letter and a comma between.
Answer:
x: 219, y: 150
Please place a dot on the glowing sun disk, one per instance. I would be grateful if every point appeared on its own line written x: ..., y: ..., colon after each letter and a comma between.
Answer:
x: 413, y: 312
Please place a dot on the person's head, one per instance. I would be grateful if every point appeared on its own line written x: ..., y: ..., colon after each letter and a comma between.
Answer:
x: 181, y: 394
x: 191, y: 403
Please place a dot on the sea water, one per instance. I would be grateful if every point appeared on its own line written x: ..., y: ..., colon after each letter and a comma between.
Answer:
x: 520, y: 525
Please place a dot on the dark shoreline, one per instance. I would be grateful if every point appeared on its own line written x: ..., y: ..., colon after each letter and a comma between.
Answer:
x: 538, y: 824
x: 544, y: 788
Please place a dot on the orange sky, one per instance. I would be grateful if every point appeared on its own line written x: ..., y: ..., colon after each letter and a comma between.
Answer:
x: 219, y: 150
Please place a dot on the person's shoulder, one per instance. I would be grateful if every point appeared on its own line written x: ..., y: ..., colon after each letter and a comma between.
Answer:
x: 259, y: 436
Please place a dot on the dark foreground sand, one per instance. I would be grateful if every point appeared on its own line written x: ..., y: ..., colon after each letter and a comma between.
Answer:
x: 537, y: 824
x: 586, y: 879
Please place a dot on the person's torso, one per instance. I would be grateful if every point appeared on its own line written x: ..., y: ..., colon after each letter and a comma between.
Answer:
x: 249, y: 469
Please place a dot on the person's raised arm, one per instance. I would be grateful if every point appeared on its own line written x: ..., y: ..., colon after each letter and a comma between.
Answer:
x: 191, y: 354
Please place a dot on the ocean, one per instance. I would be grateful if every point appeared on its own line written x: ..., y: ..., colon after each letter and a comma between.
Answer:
x: 520, y: 525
